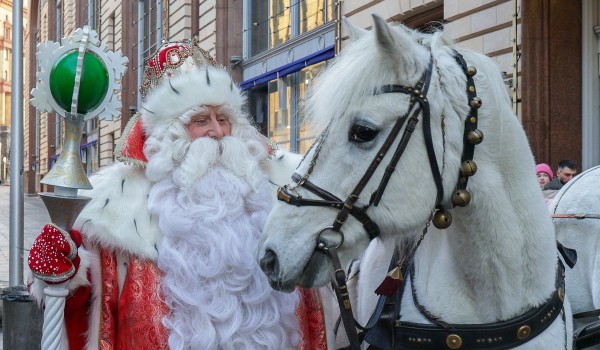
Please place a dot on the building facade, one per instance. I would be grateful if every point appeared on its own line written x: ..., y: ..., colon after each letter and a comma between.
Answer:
x: 547, y: 51
x: 6, y: 7
x: 137, y: 29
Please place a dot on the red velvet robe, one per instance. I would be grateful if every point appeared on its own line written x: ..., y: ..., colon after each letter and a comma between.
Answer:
x: 133, y: 320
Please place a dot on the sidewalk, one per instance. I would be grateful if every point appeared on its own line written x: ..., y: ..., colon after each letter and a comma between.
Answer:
x: 35, y: 216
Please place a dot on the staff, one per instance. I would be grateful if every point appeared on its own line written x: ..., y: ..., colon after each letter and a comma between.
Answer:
x: 81, y: 85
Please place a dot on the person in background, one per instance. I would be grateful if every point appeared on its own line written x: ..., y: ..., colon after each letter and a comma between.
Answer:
x: 544, y: 174
x: 164, y: 254
x: 566, y: 170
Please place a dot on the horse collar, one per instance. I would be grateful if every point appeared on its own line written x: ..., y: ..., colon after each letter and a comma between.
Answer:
x: 388, y: 332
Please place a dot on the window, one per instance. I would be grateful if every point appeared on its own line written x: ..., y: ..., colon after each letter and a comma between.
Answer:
x: 59, y: 21
x: 280, y: 98
x: 259, y: 28
x: 110, y: 35
x: 58, y: 131
x: 92, y: 11
x: 274, y: 22
x: 152, y: 27
x: 7, y: 32
x: 280, y: 21
x: 275, y: 106
x: 314, y: 13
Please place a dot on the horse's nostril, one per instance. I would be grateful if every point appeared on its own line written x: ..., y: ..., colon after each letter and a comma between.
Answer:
x: 269, y: 263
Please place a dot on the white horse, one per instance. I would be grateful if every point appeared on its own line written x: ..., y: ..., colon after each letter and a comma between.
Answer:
x: 576, y: 208
x: 498, y: 258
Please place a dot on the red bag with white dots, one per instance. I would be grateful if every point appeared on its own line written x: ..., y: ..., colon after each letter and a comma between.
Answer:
x: 53, y: 256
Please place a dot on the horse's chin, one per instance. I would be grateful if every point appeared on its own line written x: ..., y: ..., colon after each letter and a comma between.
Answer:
x: 316, y: 272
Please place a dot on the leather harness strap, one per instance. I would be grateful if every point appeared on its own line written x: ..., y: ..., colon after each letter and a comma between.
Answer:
x: 497, y: 335
x: 576, y: 216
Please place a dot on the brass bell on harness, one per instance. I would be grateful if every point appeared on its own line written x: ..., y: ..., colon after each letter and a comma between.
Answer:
x: 471, y: 71
x: 442, y: 219
x: 461, y: 198
x: 475, y: 102
x: 475, y: 137
x: 468, y: 168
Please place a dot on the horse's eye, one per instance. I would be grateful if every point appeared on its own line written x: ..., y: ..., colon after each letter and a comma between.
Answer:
x: 362, y: 133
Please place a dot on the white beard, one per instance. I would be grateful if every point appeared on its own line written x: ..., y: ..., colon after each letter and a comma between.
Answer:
x: 217, y: 293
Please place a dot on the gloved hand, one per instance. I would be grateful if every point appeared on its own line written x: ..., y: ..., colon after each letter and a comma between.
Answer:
x: 53, y: 256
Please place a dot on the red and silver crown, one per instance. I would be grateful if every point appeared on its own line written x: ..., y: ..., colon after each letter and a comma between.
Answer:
x: 171, y: 59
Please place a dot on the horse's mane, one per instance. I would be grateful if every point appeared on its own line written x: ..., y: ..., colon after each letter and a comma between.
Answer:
x: 356, y: 73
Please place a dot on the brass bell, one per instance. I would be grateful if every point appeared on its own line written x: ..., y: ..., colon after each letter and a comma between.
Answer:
x: 468, y: 168
x: 475, y: 102
x: 461, y: 198
x: 475, y: 137
x: 442, y: 219
x: 471, y: 71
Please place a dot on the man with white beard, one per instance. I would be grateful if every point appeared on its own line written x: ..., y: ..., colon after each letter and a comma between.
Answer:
x: 170, y: 236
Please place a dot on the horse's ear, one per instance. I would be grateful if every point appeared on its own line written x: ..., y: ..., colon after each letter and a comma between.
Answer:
x: 394, y: 43
x: 354, y: 32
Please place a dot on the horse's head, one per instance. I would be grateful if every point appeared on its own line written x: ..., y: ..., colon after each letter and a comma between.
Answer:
x: 358, y: 102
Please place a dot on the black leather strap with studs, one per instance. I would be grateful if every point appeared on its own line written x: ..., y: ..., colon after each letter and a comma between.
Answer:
x: 491, y: 336
x: 472, y: 117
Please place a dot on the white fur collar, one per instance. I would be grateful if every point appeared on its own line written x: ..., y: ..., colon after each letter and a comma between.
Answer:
x: 117, y: 217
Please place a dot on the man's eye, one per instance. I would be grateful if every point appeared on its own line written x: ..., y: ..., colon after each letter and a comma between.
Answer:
x: 362, y: 133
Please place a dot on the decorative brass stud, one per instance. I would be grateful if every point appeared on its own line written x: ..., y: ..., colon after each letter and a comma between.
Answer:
x: 442, y: 219
x: 468, y: 168
x: 473, y: 120
x: 475, y: 102
x: 475, y: 137
x: 454, y: 341
x: 461, y: 198
x: 417, y: 92
x: 524, y: 332
x: 561, y: 294
x: 471, y: 88
x: 471, y: 70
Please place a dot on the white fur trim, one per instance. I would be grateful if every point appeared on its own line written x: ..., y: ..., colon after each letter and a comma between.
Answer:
x: 117, y: 217
x: 206, y: 86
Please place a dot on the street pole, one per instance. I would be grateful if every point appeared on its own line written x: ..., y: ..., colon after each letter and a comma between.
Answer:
x: 16, y: 151
x: 17, y: 304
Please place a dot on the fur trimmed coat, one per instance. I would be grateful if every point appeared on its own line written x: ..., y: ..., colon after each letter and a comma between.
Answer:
x: 115, y: 301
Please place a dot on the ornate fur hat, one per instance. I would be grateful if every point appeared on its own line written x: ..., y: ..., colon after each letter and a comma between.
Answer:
x: 177, y: 78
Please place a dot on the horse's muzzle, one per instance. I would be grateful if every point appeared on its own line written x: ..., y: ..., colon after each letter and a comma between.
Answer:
x: 269, y: 263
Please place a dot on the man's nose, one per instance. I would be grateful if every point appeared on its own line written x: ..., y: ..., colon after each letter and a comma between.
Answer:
x: 215, y: 129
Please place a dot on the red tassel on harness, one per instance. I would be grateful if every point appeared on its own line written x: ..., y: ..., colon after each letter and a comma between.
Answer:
x: 391, y: 284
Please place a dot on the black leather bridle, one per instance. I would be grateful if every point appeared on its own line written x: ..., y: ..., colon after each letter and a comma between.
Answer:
x: 347, y: 207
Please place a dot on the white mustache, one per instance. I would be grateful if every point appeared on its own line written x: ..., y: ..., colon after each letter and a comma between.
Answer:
x: 232, y: 153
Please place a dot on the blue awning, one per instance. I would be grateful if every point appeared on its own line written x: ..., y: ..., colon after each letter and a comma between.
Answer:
x: 89, y: 144
x: 319, y: 56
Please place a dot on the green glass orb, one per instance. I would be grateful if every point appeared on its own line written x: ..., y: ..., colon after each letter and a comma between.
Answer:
x: 92, y: 87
